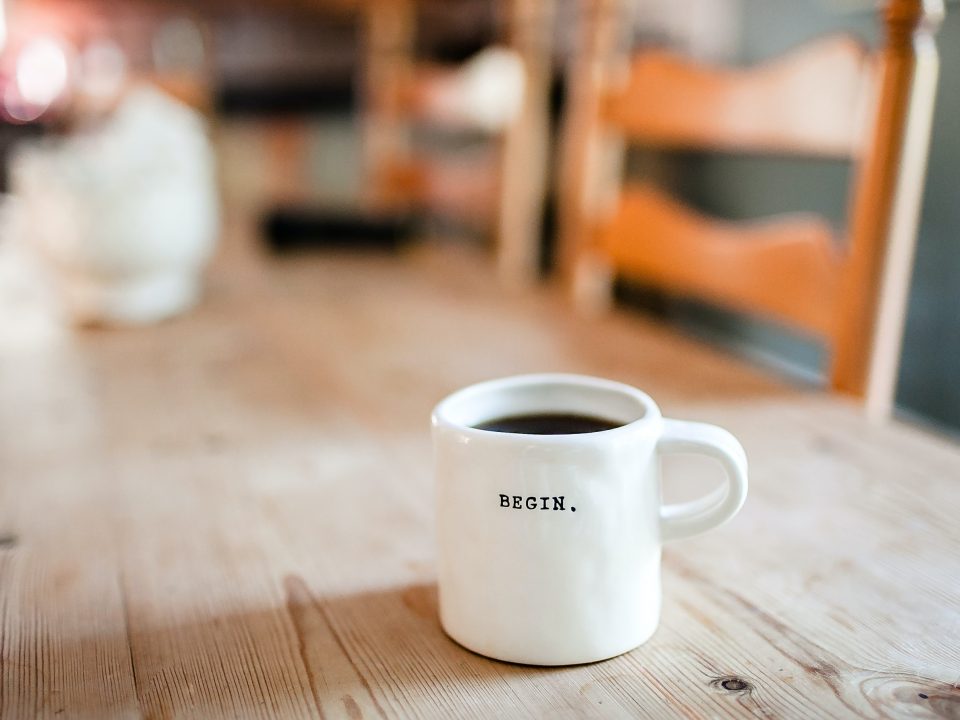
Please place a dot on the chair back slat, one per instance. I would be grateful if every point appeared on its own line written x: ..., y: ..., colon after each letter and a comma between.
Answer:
x: 810, y: 102
x: 786, y: 268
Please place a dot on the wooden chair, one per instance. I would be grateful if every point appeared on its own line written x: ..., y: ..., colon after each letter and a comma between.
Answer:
x: 506, y: 191
x: 831, y: 98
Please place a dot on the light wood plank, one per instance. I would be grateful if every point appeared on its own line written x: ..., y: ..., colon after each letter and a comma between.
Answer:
x: 866, y: 660
x: 244, y: 498
x: 64, y: 643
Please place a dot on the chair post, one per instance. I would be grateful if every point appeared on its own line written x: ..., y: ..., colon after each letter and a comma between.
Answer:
x: 523, y: 174
x: 886, y: 209
x: 388, y: 27
x: 592, y: 157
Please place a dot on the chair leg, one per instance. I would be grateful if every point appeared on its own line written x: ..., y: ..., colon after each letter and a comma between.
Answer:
x: 593, y: 284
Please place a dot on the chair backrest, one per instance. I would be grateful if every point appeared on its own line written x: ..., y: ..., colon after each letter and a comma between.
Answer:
x: 830, y: 98
x: 505, y: 187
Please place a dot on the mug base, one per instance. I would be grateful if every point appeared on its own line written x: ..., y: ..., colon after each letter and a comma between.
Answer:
x: 549, y: 660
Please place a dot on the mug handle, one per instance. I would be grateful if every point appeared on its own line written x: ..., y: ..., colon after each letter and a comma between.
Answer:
x: 681, y: 520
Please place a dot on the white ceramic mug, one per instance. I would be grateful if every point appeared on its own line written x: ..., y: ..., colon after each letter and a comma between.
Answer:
x: 127, y: 213
x: 566, y: 569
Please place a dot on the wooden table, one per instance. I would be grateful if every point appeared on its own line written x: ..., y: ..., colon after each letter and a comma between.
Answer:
x: 230, y: 514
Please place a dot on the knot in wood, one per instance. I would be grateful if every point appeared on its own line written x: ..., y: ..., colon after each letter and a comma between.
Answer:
x: 732, y: 684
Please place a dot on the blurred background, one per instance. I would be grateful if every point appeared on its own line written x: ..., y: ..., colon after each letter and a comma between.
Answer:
x: 320, y: 136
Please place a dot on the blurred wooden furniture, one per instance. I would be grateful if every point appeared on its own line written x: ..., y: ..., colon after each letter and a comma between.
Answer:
x: 828, y: 99
x: 230, y: 515
x: 506, y: 189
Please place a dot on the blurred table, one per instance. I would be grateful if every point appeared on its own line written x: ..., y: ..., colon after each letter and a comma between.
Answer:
x: 230, y: 514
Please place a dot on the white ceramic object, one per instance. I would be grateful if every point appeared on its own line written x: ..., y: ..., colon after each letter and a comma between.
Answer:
x: 549, y: 545
x: 127, y: 213
x: 493, y: 85
x: 486, y: 91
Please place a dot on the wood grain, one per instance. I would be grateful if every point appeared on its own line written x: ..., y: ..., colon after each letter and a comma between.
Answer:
x: 245, y: 496
x: 230, y: 514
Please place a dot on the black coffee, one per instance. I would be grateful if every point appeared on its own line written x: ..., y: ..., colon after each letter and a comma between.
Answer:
x: 549, y: 424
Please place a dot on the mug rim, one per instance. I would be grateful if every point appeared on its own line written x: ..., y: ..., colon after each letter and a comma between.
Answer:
x: 441, y: 415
